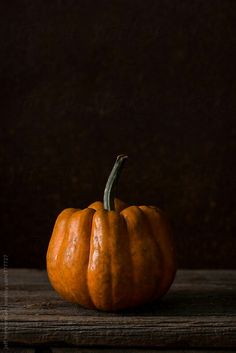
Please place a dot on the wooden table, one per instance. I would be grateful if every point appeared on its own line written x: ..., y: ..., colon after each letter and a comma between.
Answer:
x: 199, y: 312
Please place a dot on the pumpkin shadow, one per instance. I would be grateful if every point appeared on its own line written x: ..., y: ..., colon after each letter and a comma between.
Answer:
x: 161, y: 306
x: 185, y: 303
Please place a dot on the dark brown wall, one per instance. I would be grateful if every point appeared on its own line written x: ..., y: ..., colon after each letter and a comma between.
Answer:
x: 82, y: 81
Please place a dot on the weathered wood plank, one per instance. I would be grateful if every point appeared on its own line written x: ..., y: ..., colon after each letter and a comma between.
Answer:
x: 199, y: 311
x: 126, y: 331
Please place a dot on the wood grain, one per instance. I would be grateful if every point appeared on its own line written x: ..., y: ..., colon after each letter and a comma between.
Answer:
x: 198, y: 312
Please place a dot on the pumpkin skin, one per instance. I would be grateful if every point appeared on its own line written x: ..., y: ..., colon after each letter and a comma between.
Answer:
x: 111, y: 259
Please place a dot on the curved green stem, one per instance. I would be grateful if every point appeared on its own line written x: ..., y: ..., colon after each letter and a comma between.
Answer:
x: 109, y: 192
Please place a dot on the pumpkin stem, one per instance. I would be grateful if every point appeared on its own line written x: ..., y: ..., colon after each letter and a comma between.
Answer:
x: 109, y: 192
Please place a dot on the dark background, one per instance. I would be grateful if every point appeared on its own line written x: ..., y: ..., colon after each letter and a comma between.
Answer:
x: 82, y: 81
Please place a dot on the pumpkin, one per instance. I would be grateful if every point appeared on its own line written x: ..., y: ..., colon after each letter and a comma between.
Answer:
x: 110, y: 256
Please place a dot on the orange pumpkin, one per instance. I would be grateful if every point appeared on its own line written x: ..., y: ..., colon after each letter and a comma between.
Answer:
x: 111, y: 256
